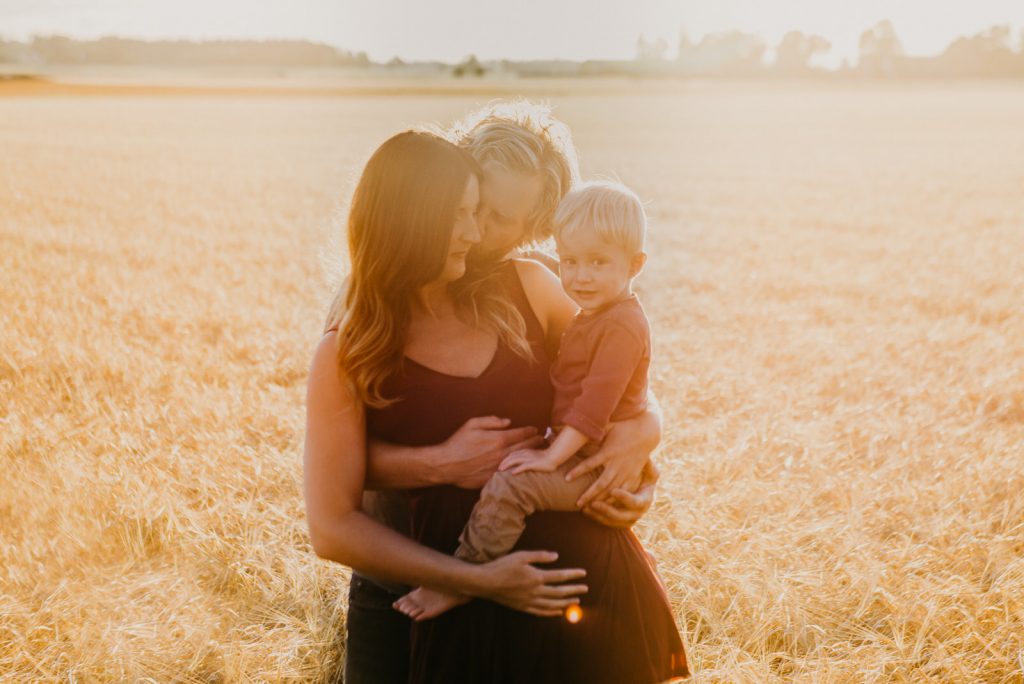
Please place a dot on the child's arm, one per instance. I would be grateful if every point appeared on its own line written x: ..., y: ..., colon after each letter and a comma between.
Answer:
x: 569, y: 441
x: 617, y: 351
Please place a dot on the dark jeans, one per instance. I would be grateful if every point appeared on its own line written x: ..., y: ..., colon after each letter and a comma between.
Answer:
x: 377, y: 636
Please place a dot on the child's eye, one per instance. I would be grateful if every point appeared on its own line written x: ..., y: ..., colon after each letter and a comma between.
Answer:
x: 569, y: 262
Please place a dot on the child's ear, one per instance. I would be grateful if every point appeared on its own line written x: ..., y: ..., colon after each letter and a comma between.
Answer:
x: 637, y: 264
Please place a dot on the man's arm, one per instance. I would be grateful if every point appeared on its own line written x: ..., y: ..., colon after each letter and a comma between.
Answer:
x: 466, y: 459
x: 624, y: 455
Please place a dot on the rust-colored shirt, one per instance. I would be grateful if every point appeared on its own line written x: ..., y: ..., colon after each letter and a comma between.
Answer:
x: 600, y: 374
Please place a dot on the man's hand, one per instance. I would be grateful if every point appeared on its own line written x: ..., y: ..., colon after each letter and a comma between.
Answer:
x: 623, y: 454
x: 523, y: 460
x: 622, y: 508
x: 472, y: 454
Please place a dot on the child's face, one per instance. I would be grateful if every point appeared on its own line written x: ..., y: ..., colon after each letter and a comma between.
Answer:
x: 594, y: 272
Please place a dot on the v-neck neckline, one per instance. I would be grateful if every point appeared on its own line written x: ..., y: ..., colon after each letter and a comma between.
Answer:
x: 487, y: 368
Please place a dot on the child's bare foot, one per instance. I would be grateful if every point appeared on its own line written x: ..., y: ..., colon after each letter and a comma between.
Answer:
x: 423, y: 603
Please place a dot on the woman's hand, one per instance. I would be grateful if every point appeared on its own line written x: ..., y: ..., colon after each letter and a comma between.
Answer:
x: 622, y: 508
x: 473, y: 453
x: 513, y: 581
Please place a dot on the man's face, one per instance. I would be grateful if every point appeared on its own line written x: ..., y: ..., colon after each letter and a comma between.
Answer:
x: 507, y: 200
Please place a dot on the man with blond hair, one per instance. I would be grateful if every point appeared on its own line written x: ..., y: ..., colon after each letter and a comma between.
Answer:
x: 529, y: 163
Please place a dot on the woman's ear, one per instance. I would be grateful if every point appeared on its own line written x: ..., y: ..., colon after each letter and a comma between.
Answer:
x: 637, y: 264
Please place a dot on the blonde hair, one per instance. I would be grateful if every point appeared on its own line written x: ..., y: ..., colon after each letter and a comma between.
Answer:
x: 399, y: 227
x: 522, y: 136
x: 606, y: 208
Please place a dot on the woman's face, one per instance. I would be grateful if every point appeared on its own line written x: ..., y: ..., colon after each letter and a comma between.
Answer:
x: 507, y: 199
x: 465, y: 231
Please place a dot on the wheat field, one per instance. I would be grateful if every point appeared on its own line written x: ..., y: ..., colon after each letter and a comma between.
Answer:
x: 836, y: 288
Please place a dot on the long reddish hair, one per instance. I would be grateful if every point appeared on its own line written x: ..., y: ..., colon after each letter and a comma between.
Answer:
x: 399, y: 227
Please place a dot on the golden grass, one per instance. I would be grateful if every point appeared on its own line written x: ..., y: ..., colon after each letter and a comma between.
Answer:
x: 836, y: 288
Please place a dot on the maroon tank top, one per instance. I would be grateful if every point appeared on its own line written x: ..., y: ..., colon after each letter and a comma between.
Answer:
x: 432, y: 405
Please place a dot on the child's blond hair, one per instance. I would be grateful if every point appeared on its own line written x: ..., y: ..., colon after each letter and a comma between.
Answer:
x: 607, y: 208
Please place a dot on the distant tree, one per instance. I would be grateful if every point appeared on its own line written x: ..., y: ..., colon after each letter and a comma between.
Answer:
x: 650, y: 50
x: 989, y: 53
x: 795, y: 52
x: 469, y: 67
x: 58, y: 50
x: 112, y: 50
x: 880, y: 49
x: 728, y: 53
x: 685, y: 45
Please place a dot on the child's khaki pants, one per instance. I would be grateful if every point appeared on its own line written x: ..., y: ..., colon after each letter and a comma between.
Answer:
x: 499, y: 516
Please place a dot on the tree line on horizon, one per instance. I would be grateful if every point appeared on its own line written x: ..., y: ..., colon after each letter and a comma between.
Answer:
x: 990, y: 53
x: 61, y: 50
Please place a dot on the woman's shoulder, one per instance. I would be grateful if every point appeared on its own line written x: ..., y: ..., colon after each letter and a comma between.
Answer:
x: 540, y: 285
x: 542, y: 257
x: 325, y: 355
x: 535, y: 276
x: 327, y: 380
x: 544, y: 290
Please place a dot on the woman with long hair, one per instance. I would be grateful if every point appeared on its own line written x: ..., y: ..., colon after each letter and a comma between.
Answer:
x: 416, y: 354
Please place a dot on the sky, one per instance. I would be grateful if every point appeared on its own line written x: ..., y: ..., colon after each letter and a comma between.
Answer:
x: 449, y: 30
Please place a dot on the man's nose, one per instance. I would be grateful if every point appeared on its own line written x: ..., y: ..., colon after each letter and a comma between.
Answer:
x: 482, y: 220
x: 472, y: 232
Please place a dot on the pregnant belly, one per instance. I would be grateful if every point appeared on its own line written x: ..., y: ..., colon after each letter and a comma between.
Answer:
x: 440, y: 513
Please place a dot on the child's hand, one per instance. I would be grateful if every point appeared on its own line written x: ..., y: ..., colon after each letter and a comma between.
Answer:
x: 525, y: 460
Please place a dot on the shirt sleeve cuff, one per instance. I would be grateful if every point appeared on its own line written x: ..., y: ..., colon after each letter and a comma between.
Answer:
x: 588, y: 427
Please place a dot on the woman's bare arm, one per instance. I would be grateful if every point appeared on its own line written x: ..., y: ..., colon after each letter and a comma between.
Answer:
x: 333, y: 474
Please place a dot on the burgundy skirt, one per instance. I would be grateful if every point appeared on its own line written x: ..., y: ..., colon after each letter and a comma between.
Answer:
x: 627, y: 633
